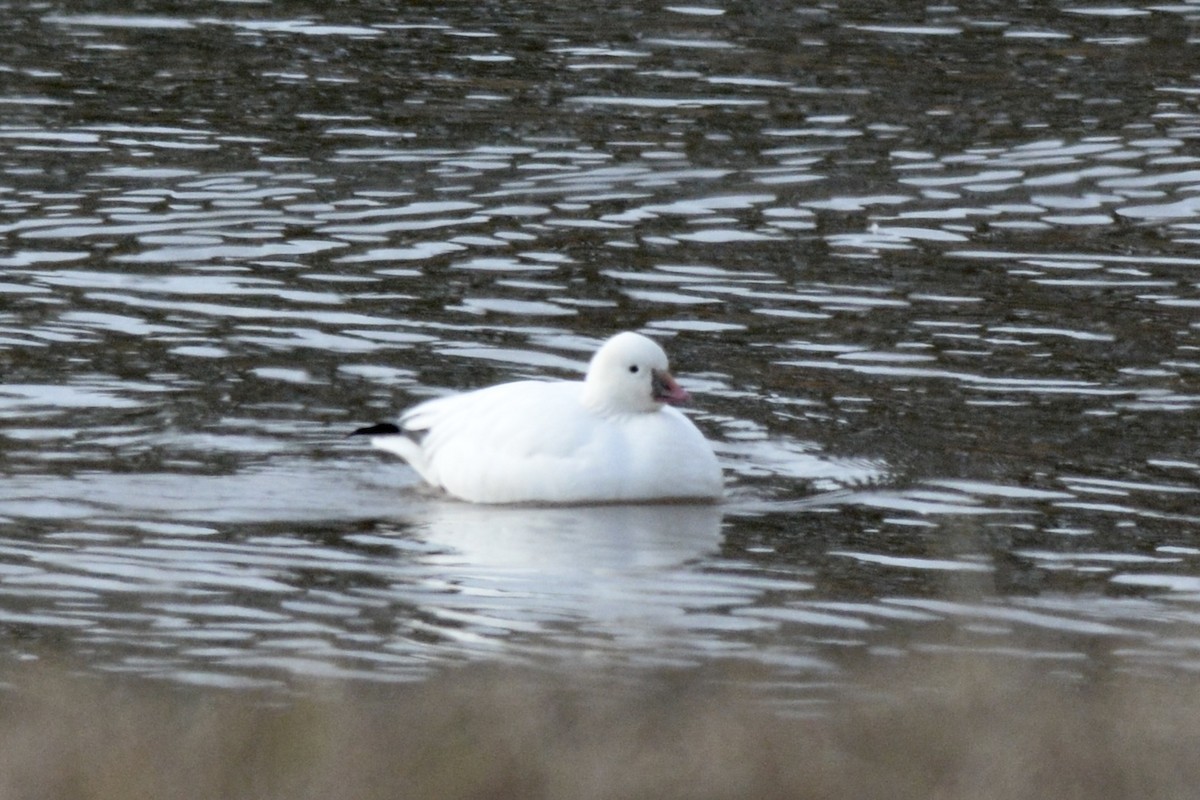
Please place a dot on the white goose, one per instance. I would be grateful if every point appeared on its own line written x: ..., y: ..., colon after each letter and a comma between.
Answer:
x: 612, y: 437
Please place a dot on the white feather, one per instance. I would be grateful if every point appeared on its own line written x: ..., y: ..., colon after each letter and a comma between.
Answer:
x: 608, y: 438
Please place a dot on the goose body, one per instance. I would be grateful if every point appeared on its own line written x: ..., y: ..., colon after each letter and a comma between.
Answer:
x: 613, y: 437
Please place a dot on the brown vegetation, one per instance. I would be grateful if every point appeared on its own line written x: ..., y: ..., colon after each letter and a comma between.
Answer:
x: 967, y: 729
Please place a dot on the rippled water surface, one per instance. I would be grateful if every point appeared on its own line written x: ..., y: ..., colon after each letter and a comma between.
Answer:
x: 931, y: 275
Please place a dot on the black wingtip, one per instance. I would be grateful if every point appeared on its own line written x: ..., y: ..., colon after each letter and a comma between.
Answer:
x: 381, y: 429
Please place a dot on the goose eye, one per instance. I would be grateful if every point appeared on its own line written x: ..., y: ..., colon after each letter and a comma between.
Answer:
x: 633, y: 368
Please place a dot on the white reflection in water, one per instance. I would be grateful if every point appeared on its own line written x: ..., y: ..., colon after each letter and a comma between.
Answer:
x: 625, y: 573
x: 119, y: 21
x: 570, y: 541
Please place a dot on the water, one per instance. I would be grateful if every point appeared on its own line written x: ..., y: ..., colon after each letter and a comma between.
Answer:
x: 928, y: 273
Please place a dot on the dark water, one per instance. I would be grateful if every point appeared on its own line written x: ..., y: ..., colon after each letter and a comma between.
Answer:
x: 930, y: 273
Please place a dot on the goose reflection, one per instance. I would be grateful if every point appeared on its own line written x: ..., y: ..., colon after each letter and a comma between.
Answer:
x: 605, y: 573
x: 601, y: 538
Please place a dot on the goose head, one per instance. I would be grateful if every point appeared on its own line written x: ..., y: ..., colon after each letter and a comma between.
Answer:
x: 630, y: 374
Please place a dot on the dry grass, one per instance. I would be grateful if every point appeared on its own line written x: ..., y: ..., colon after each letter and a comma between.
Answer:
x: 934, y: 730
